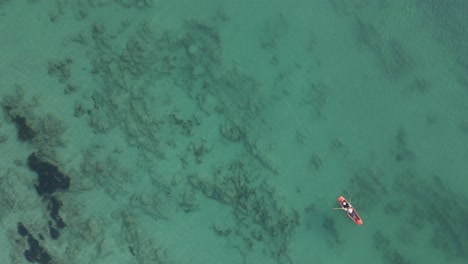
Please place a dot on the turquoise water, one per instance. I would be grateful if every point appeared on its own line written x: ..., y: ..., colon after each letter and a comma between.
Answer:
x: 224, y: 131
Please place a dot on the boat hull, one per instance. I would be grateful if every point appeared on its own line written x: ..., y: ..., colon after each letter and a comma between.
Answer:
x: 355, y: 216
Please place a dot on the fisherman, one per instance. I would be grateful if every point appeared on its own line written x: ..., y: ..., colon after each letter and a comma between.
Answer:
x: 348, y: 208
x: 345, y: 205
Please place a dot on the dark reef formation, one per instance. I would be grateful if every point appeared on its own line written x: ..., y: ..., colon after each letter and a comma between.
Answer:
x: 36, y: 253
x: 50, y: 178
x: 25, y: 132
x: 49, y: 181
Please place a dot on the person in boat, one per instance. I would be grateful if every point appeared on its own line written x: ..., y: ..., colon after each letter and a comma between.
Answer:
x: 348, y: 208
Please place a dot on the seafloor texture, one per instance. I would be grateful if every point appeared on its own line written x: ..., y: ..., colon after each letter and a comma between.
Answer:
x: 145, y: 131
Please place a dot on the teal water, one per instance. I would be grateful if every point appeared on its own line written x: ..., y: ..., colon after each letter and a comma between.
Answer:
x: 224, y: 131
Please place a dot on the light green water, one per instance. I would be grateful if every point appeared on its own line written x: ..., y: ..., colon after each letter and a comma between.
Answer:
x: 224, y: 131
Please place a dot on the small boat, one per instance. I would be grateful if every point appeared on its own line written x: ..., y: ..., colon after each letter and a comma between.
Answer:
x: 350, y: 211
